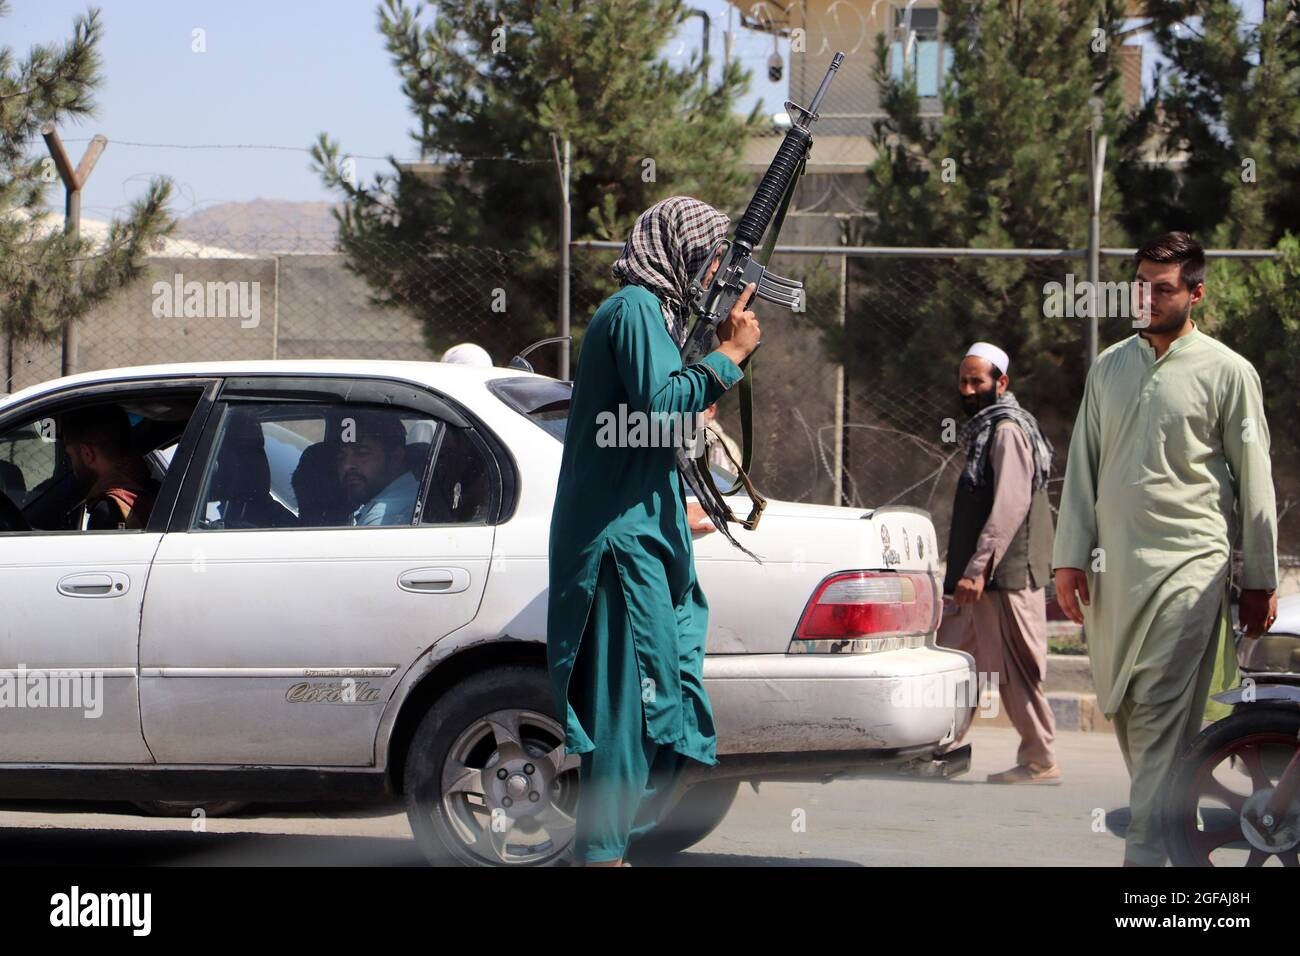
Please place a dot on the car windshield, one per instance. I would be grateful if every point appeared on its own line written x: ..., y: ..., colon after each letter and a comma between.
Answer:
x: 543, y: 401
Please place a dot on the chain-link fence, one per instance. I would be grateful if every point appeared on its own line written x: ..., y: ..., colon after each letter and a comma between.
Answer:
x: 291, y: 297
x: 911, y: 314
x: 855, y: 395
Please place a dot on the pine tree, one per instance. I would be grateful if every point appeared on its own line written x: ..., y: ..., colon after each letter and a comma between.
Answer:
x: 1231, y: 101
x: 488, y: 83
x: 1005, y: 166
x: 46, y: 278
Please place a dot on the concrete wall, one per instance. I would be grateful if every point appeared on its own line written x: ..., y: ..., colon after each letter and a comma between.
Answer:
x: 307, y: 306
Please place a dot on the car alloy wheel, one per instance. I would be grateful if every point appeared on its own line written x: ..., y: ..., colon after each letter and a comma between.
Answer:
x: 509, y: 791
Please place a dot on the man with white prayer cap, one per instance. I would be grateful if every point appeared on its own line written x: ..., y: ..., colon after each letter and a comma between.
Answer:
x: 467, y: 353
x: 999, y: 557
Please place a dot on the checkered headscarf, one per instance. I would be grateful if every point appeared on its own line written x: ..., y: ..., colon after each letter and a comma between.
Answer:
x: 668, y: 244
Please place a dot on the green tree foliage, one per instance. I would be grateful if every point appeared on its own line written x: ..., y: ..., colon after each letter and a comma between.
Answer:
x: 1255, y: 308
x: 46, y: 278
x: 1004, y: 166
x: 1229, y: 104
x: 1227, y: 110
x: 488, y: 83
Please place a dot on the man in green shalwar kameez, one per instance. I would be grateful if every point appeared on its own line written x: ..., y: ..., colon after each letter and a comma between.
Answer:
x: 1170, y: 436
x: 626, y: 615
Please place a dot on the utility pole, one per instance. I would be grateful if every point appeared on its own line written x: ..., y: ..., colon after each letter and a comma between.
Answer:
x: 1096, y: 167
x: 73, y: 181
x: 727, y: 36
x: 704, y: 55
x: 566, y: 237
x: 841, y: 395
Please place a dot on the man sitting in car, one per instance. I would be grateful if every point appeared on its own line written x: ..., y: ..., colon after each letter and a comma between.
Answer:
x: 120, y: 490
x: 374, y: 471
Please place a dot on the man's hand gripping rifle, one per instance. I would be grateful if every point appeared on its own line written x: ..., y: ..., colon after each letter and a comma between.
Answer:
x: 740, y: 266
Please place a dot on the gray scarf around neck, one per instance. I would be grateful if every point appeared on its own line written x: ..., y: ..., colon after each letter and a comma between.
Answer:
x: 975, y: 435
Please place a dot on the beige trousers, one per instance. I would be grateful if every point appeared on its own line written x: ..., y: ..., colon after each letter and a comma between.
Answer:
x: 1006, y: 633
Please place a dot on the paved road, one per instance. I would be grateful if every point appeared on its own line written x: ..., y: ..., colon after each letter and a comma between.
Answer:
x: 960, y: 822
x: 899, y: 822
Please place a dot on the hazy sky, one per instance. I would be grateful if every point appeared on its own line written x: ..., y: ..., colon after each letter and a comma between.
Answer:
x: 275, y: 73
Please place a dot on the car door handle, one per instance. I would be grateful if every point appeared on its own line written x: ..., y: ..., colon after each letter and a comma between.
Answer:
x: 95, y: 584
x: 434, y: 580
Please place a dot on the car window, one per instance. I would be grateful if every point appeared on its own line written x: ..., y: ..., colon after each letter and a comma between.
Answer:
x: 462, y: 489
x: 29, y: 455
x: 543, y: 401
x: 113, y: 489
x: 315, y: 465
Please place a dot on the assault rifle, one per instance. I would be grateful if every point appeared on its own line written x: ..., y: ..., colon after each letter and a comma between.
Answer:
x: 740, y: 266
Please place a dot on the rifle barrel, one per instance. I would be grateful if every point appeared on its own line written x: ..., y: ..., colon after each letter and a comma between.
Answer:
x: 826, y: 83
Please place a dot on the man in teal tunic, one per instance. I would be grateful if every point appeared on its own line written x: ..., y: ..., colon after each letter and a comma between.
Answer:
x: 626, y: 616
x: 1168, y: 461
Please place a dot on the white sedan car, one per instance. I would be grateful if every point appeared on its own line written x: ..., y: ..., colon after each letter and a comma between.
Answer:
x: 252, y: 642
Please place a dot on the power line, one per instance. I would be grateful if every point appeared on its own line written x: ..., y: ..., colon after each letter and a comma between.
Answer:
x: 296, y: 149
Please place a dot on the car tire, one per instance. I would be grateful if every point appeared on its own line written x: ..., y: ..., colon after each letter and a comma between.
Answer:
x: 695, y: 816
x: 186, y: 808
x: 487, y: 781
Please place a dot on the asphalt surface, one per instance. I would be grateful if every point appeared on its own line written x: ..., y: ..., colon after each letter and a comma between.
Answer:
x: 877, y: 822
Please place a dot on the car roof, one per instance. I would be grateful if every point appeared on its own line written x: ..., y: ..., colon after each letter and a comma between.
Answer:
x: 456, y: 381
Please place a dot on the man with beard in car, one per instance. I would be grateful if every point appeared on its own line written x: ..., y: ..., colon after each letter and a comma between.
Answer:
x: 120, y: 492
x: 374, y: 471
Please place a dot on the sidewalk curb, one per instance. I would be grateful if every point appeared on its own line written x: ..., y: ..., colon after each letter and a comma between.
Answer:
x: 1069, y: 672
x: 1071, y: 711
x: 1070, y: 693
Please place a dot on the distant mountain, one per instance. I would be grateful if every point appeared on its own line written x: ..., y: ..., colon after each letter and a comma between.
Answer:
x: 96, y: 231
x: 263, y: 226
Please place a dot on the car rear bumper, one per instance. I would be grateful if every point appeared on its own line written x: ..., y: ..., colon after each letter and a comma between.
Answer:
x: 902, y: 702
x: 821, y: 766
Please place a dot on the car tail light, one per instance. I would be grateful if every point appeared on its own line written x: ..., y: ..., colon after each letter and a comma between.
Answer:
x: 854, y: 604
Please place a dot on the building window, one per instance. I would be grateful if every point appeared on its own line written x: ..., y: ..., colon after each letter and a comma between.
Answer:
x: 923, y: 51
